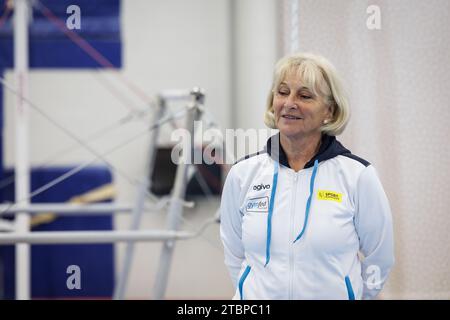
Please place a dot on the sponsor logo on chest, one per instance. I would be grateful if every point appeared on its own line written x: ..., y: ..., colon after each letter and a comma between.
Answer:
x: 329, y: 195
x: 260, y: 204
x: 261, y: 186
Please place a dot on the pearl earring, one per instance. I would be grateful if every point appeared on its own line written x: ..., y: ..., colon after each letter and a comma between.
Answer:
x: 325, y: 121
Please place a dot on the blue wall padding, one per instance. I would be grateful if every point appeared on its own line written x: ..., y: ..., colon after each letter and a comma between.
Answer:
x: 50, y: 262
x: 61, y: 54
x: 51, y: 48
x: 1, y: 129
x: 89, y: 8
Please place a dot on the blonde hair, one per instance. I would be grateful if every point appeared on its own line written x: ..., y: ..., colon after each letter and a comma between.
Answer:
x: 319, y: 75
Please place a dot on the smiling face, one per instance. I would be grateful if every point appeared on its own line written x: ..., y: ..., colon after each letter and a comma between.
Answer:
x: 298, y: 111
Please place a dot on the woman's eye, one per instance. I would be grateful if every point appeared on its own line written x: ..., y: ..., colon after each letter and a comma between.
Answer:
x: 283, y: 93
x: 305, y: 97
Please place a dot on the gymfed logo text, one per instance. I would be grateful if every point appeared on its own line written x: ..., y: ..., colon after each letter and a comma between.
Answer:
x: 261, y: 186
x: 260, y: 204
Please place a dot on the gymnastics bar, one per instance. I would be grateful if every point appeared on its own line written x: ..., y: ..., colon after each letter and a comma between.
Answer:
x: 64, y: 237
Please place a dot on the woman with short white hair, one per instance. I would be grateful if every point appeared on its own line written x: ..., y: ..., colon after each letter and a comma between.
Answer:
x: 299, y: 236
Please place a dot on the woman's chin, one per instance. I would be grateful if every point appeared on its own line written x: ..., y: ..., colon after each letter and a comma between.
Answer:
x: 289, y: 131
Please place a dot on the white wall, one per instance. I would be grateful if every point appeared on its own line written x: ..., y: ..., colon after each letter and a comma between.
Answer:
x: 256, y: 51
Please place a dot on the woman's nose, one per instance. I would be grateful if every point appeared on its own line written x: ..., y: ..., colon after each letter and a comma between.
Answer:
x: 290, y: 102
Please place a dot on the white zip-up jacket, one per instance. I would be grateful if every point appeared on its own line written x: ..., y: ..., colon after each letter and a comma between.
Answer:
x: 297, y: 235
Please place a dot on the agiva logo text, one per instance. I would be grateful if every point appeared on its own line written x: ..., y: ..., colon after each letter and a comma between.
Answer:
x: 261, y: 187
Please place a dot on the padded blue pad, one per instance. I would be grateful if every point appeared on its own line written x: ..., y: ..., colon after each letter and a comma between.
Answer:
x: 50, y: 262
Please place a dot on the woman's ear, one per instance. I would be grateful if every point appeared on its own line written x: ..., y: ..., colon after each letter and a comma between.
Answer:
x: 330, y: 111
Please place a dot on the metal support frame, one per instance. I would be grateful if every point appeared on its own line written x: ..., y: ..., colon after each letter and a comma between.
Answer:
x: 22, y: 165
x: 142, y: 190
x: 176, y: 203
x: 22, y: 236
x: 178, y: 193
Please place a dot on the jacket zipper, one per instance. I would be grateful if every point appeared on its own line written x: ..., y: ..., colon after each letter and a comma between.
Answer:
x: 291, y: 239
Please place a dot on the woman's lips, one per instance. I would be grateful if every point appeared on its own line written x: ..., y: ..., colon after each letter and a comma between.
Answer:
x: 290, y: 117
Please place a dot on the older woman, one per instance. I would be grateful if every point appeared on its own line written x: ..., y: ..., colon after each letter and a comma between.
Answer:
x: 305, y: 218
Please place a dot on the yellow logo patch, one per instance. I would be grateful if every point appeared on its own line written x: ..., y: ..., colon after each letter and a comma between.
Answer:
x: 329, y: 195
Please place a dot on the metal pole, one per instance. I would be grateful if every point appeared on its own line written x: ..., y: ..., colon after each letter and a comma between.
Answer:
x: 142, y: 190
x: 174, y: 95
x: 178, y: 193
x: 22, y: 169
x: 6, y: 226
x: 77, y: 209
x: 60, y: 237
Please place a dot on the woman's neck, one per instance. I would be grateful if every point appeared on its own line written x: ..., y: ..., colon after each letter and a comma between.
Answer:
x: 300, y: 150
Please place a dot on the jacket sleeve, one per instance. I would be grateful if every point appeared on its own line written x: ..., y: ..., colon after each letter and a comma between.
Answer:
x: 373, y: 222
x: 231, y: 226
